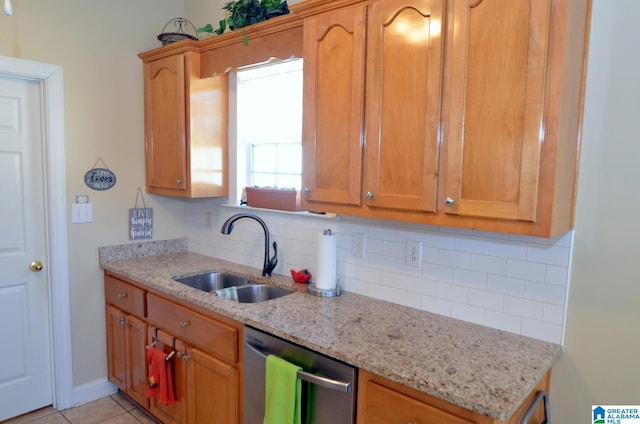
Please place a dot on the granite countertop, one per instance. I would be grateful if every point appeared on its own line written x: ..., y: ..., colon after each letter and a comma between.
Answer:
x: 475, y: 367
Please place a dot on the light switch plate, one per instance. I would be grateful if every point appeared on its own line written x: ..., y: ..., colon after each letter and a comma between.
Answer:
x: 81, y: 213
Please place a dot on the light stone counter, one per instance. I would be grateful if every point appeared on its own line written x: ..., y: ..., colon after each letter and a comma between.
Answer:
x: 478, y: 368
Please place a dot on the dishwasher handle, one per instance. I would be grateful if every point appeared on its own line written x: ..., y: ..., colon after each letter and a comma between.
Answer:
x: 341, y: 386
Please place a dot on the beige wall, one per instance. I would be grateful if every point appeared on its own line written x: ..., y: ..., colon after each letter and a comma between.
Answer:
x: 96, y: 43
x: 601, y: 363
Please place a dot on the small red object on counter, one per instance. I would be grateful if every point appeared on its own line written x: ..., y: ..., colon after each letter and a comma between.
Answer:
x: 302, y: 276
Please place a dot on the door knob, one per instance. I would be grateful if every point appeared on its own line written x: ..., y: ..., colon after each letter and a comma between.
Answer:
x: 35, y: 266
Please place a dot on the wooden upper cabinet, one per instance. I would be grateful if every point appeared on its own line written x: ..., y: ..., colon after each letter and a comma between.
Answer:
x: 404, y: 74
x: 512, y: 114
x: 185, y: 128
x: 495, y: 107
x: 334, y: 55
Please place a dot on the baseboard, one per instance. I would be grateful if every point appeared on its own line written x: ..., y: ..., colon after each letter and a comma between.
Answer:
x: 91, y: 391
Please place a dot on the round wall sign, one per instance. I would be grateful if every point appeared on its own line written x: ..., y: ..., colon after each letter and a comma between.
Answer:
x: 100, y: 179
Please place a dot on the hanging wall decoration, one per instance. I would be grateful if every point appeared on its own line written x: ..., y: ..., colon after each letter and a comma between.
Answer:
x: 100, y: 178
x: 140, y: 220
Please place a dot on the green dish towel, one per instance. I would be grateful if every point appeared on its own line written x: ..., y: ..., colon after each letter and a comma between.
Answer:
x: 283, y: 392
x: 230, y: 293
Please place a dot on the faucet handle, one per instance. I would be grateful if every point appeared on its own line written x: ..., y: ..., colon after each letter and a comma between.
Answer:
x: 272, y: 262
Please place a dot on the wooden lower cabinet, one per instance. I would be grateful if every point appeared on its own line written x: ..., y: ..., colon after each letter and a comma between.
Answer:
x: 205, y: 366
x: 212, y: 389
x: 126, y: 363
x: 382, y: 401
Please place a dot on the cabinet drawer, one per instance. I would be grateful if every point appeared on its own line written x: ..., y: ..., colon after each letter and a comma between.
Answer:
x: 124, y: 296
x: 206, y: 333
x: 385, y: 406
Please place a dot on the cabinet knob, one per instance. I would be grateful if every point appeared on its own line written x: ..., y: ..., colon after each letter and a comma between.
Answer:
x: 307, y: 190
x: 184, y: 324
x: 185, y: 358
x: 369, y: 195
x: 449, y: 201
x: 122, y: 295
x: 178, y: 182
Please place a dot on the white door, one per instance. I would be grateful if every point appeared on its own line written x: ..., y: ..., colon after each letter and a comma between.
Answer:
x: 25, y: 350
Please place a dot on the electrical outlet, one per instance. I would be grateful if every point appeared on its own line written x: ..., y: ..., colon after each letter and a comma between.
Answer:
x: 358, y: 245
x: 413, y: 254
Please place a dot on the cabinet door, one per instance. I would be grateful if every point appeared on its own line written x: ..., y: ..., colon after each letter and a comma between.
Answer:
x: 177, y: 413
x: 116, y: 349
x: 494, y: 107
x: 404, y: 73
x: 213, y: 389
x: 165, y: 123
x: 334, y: 55
x: 386, y: 406
x: 136, y: 342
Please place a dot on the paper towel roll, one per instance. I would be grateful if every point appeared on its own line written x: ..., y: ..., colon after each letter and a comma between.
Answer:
x: 326, y: 274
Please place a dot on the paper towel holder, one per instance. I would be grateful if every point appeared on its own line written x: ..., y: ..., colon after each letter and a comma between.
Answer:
x: 314, y: 291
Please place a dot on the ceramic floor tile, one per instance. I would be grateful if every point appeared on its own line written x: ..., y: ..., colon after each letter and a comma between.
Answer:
x: 123, y: 401
x: 94, y: 412
x: 142, y: 417
x: 124, y: 418
x: 55, y: 418
x: 27, y: 418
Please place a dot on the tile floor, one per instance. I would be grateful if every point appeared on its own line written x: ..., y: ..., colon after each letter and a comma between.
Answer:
x: 114, y: 409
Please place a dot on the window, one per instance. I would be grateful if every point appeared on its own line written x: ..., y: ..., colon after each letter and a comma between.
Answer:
x: 269, y: 125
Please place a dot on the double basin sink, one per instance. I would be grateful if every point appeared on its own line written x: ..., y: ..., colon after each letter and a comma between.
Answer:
x: 248, y: 290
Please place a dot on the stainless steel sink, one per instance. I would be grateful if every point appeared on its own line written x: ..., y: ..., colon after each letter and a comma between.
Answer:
x: 255, y: 293
x: 214, y: 281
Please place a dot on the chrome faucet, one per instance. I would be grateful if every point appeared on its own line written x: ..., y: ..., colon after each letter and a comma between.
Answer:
x: 269, y: 263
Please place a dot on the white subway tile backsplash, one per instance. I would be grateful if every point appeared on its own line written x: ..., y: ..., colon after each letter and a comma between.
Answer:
x: 439, y: 240
x: 422, y: 286
x: 557, y: 275
x: 486, y: 300
x: 508, y: 249
x: 526, y: 270
x: 430, y: 255
x: 436, y: 305
x: 452, y: 292
x: 472, y: 244
x: 502, y: 321
x: 551, y: 255
x: 488, y: 264
x: 438, y: 272
x: 544, y: 292
x: 523, y: 307
x: 474, y: 279
x: 541, y: 330
x: 406, y: 298
x: 505, y: 285
x: 510, y: 282
x: 467, y: 313
x: 454, y: 258
x: 553, y: 314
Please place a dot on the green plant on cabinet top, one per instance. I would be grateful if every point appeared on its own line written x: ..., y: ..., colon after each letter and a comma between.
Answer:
x: 241, y: 13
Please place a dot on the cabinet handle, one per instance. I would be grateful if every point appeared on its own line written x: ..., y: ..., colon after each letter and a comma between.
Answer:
x: 184, y: 324
x: 307, y: 190
x: 178, y: 182
x: 369, y: 195
x: 449, y: 201
x: 122, y: 295
x: 185, y: 358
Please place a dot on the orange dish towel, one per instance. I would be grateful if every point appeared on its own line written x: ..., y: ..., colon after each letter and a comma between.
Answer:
x: 160, y: 380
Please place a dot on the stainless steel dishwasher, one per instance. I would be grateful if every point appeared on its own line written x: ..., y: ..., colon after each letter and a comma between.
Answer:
x: 329, y: 386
